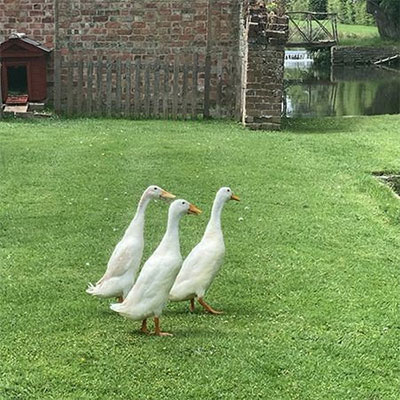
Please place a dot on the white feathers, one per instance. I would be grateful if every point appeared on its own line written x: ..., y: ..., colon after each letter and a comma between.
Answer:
x: 150, y: 293
x: 161, y: 276
x: 125, y: 260
x: 203, y: 262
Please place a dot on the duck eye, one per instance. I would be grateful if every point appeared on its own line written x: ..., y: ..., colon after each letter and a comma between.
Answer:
x: 183, y: 202
x: 155, y: 188
x: 229, y: 190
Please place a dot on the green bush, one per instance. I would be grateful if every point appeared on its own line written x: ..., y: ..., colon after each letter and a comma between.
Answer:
x: 349, y: 11
x: 295, y: 5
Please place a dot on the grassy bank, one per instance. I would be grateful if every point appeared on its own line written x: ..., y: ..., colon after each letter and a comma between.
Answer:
x: 309, y: 288
x: 361, y: 35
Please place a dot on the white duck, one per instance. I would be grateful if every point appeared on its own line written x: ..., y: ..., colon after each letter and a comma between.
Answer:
x: 149, y: 295
x: 125, y: 259
x: 203, y: 262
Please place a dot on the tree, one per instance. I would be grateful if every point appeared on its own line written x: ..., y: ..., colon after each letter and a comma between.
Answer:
x: 318, y: 6
x: 351, y: 11
x: 387, y: 17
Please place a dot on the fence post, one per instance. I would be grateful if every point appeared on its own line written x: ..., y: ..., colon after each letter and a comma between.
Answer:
x: 137, y: 87
x: 70, y: 85
x: 57, y: 82
x: 79, y: 88
x: 219, y: 85
x: 1, y: 95
x: 99, y: 82
x: 195, y: 84
x: 109, y: 86
x: 175, y: 88
x: 156, y: 92
x: 128, y: 89
x: 207, y: 83
x: 118, y: 86
x: 184, y: 90
x: 147, y: 90
x: 89, y: 98
x: 166, y: 90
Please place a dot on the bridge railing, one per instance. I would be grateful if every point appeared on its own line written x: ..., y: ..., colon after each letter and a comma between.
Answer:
x: 312, y: 29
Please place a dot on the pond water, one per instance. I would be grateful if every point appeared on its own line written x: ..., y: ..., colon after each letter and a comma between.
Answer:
x: 312, y: 90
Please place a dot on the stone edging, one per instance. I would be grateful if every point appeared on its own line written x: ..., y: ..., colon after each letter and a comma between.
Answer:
x: 353, y: 55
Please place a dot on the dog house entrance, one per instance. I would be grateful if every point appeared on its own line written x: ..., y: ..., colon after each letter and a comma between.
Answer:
x: 17, y: 80
x: 23, y: 70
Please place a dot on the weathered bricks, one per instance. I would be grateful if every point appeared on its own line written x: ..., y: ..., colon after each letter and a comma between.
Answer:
x: 262, y: 96
x: 35, y: 18
x: 150, y: 29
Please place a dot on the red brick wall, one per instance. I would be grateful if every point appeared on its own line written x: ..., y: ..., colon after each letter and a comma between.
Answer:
x: 140, y: 27
x: 35, y: 18
x: 127, y: 29
x: 148, y: 28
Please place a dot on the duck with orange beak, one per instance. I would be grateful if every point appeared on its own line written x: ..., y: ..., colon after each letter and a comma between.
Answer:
x: 204, y: 261
x: 124, y: 262
x: 150, y: 292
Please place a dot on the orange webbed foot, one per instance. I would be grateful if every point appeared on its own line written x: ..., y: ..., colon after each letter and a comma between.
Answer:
x: 157, y: 330
x: 208, y: 308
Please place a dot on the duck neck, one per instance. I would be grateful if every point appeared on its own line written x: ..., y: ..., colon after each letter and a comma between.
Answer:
x: 171, y: 236
x: 214, y: 224
x: 137, y: 223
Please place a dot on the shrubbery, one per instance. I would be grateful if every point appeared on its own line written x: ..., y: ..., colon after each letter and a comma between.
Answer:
x: 349, y: 11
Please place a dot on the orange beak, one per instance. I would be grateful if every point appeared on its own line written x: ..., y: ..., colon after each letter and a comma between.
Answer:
x: 234, y: 197
x: 194, y: 210
x: 167, y: 195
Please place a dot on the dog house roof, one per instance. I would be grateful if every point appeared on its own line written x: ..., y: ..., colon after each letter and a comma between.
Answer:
x: 21, y: 40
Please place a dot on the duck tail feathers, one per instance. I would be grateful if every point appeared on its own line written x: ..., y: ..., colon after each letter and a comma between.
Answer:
x: 116, y: 307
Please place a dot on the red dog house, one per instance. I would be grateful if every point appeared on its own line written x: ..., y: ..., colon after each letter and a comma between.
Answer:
x: 23, y: 70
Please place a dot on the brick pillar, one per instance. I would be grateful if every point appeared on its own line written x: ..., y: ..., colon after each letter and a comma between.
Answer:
x: 263, y: 80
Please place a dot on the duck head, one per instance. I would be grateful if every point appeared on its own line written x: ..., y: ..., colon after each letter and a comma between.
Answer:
x: 156, y: 192
x: 225, y: 194
x: 181, y: 207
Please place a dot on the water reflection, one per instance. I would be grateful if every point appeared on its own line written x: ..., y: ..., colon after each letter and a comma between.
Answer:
x: 313, y: 91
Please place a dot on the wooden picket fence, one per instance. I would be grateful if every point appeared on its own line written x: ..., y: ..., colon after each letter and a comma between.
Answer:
x: 132, y: 88
x: 1, y: 95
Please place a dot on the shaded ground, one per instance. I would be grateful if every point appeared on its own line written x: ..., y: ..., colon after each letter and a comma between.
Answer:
x: 362, y: 35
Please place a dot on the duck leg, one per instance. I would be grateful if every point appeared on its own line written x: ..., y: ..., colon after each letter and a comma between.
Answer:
x: 191, y: 307
x: 207, y: 307
x: 120, y: 299
x: 143, y: 329
x: 157, y: 329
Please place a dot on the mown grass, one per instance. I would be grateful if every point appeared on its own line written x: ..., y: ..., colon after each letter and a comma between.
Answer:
x: 310, y: 284
x: 362, y: 35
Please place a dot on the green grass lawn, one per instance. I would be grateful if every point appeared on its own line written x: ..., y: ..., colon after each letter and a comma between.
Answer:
x: 309, y: 287
x: 360, y: 35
